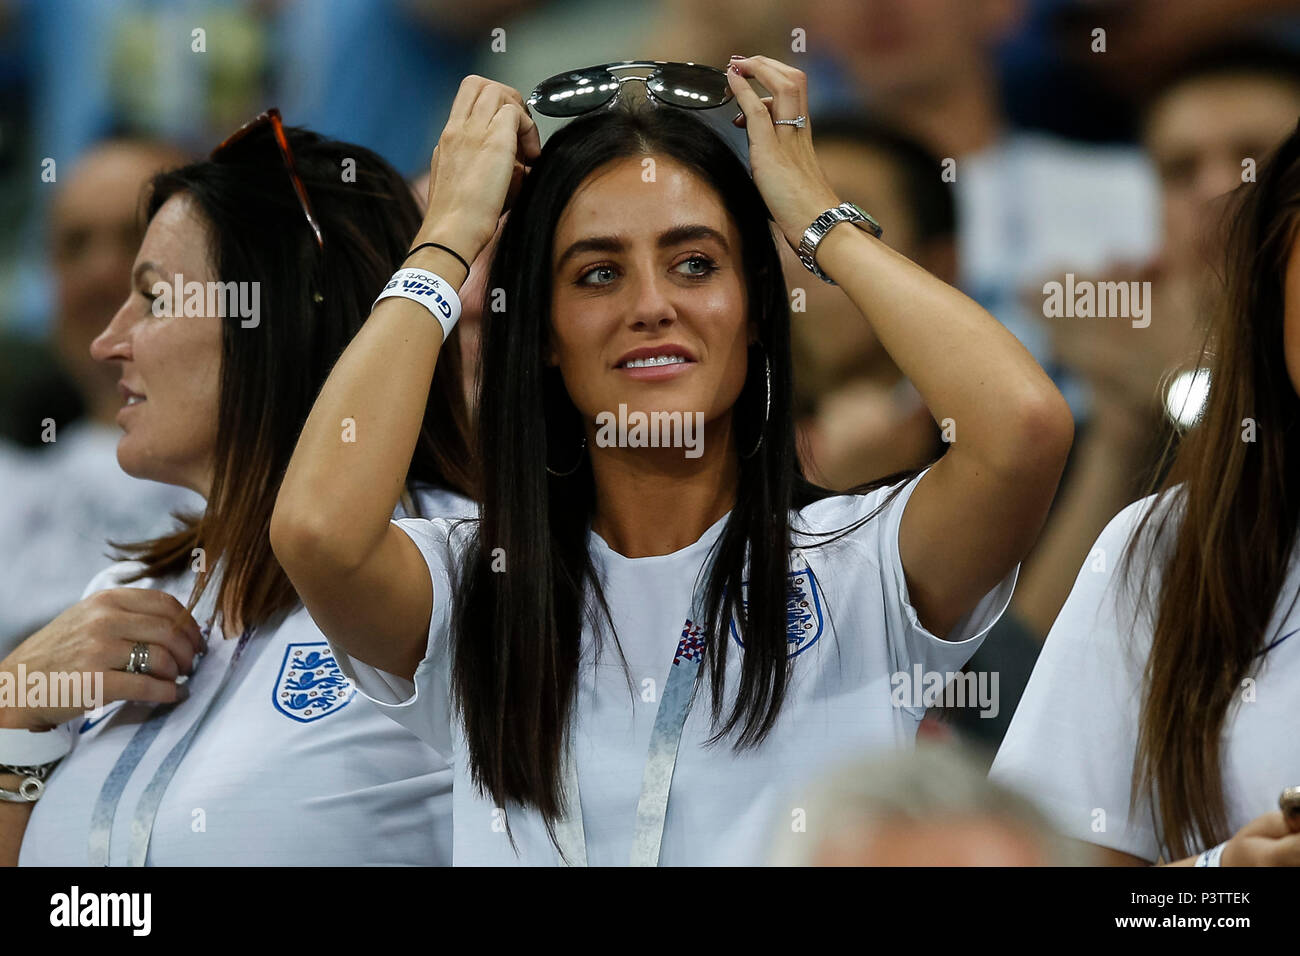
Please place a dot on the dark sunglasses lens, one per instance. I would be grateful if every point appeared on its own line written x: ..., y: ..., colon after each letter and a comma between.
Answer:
x: 691, y: 87
x: 571, y: 94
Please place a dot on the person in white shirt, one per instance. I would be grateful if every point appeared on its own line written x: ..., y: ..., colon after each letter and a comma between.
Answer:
x: 226, y: 733
x: 1158, y: 723
x: 551, y: 649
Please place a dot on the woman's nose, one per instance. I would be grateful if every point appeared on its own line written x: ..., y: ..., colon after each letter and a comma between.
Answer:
x: 113, y: 342
x: 654, y: 307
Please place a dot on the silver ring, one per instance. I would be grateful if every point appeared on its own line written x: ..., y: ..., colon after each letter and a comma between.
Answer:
x: 800, y: 121
x: 139, y: 660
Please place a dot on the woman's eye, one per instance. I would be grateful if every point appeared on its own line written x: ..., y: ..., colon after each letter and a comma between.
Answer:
x: 703, y: 266
x: 582, y: 279
x: 706, y: 264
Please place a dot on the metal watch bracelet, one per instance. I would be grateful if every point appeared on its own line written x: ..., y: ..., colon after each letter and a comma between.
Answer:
x: 33, y: 785
x: 813, y: 235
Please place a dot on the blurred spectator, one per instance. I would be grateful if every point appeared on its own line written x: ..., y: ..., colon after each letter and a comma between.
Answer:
x: 1027, y: 203
x: 859, y: 417
x: 63, y: 502
x: 351, y: 69
x: 927, y: 807
x: 1144, y: 39
x: 1205, y: 126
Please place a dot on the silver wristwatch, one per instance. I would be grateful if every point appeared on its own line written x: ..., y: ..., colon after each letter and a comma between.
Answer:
x: 33, y: 784
x: 813, y: 235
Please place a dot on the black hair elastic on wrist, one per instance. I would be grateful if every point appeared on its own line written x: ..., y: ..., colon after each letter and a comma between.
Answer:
x: 439, y: 245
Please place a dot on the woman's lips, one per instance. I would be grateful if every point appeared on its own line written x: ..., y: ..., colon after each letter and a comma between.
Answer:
x: 656, y: 373
x: 132, y: 403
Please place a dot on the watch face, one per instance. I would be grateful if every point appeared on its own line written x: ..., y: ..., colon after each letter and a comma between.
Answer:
x: 873, y: 226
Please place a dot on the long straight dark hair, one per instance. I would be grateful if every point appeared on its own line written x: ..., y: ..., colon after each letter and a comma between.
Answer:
x: 270, y: 374
x: 1222, y: 530
x: 517, y: 635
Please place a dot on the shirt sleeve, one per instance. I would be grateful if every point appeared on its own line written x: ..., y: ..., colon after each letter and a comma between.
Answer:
x: 421, y: 705
x: 1073, y: 739
x: 111, y: 577
x: 910, y: 642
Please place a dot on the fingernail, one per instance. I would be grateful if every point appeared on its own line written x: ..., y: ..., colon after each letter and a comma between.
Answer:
x: 737, y: 116
x: 738, y: 56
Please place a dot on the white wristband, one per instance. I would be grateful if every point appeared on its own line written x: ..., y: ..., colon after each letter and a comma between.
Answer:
x: 1211, y: 857
x: 31, y: 748
x: 434, y: 293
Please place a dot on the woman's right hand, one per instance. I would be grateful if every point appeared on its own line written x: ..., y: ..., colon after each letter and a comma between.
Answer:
x: 1264, y: 841
x: 478, y: 165
x: 96, y: 635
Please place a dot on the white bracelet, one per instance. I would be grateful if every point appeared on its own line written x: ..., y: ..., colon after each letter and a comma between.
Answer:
x: 433, y: 292
x: 31, y: 748
x: 1211, y: 857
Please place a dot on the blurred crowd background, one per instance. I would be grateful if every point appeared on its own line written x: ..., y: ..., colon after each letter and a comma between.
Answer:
x: 1001, y: 143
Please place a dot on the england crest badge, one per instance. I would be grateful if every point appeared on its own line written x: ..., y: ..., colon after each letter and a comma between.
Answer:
x: 310, y: 684
x: 804, y: 617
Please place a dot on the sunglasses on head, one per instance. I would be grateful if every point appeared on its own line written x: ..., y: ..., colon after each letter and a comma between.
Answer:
x: 239, y: 143
x: 690, y: 86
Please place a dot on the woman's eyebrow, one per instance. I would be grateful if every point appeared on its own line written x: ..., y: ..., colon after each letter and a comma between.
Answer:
x: 669, y: 237
x: 141, y: 268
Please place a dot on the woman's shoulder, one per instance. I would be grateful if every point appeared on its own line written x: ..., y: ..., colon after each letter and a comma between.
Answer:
x: 117, y: 575
x: 433, y: 502
x: 852, y: 511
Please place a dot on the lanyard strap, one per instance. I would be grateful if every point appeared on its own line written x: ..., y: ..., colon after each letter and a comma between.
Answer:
x: 146, y: 811
x: 110, y: 794
x: 101, y: 818
x: 661, y: 761
x: 665, y: 741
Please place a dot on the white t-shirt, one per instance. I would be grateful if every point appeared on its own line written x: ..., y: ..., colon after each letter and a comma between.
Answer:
x: 59, y: 507
x: 855, y: 627
x: 289, y: 767
x: 1073, y: 739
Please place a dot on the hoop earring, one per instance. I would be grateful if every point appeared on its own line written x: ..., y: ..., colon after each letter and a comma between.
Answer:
x: 767, y: 408
x: 565, y: 474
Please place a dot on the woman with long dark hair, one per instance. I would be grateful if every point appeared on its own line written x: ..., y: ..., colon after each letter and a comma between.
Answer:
x: 641, y: 614
x: 267, y: 256
x: 1158, y: 722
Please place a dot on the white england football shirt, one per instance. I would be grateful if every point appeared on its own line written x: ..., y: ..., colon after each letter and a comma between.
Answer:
x: 1073, y: 739
x: 852, y: 626
x: 290, y: 766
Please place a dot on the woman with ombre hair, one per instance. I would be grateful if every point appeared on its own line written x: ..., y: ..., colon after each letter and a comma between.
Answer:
x: 229, y: 735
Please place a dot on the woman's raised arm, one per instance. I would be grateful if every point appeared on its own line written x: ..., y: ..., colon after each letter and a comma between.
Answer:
x: 364, y: 581
x: 980, y: 507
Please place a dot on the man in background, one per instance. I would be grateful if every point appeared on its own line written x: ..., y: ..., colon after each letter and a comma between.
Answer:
x: 63, y: 501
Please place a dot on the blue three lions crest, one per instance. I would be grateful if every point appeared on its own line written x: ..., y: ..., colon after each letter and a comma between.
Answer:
x: 310, y: 684
x: 803, y: 612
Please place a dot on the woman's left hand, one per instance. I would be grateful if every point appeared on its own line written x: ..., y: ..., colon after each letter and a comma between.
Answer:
x: 781, y: 157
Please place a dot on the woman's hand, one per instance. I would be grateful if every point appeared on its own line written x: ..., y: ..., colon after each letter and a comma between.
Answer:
x: 96, y: 635
x: 1264, y: 841
x: 781, y: 157
x: 478, y: 165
